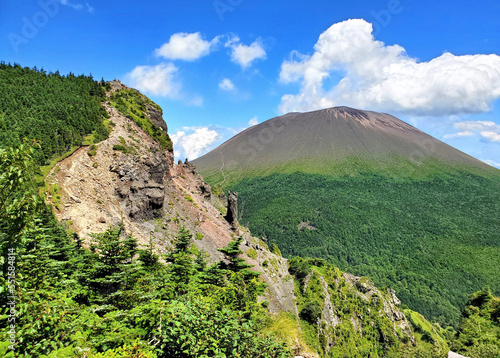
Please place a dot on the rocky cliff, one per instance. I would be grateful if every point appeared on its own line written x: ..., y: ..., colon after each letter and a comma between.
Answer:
x: 129, y: 177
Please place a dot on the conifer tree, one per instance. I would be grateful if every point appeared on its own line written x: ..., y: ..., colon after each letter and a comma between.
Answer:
x: 236, y: 263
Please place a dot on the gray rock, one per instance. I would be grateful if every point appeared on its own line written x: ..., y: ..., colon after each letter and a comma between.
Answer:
x: 232, y: 210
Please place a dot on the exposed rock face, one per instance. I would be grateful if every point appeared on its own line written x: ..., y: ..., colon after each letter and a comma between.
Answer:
x: 154, y: 198
x: 232, y: 210
x: 124, y: 180
x: 367, y: 291
x: 142, y: 185
x: 156, y: 116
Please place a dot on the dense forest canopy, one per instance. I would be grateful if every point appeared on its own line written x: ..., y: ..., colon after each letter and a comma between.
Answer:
x: 58, y: 111
x: 434, y: 241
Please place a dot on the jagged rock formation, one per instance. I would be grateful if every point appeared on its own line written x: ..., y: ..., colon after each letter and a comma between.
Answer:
x: 391, y: 304
x: 232, y: 210
x: 346, y: 303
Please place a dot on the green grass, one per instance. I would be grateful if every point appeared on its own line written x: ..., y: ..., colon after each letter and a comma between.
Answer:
x: 433, y: 240
x: 199, y: 236
x: 252, y: 253
x: 124, y: 149
x: 392, y: 166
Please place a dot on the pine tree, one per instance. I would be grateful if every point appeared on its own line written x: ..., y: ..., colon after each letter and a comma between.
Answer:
x: 236, y: 263
x: 181, y: 260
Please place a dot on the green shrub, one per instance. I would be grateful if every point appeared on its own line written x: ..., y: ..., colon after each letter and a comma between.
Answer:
x: 252, y: 253
x: 311, y: 312
x: 92, y: 150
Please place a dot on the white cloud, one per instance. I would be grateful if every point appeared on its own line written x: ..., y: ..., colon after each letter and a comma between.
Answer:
x: 157, y: 80
x: 458, y: 135
x: 226, y: 85
x: 188, y: 47
x: 380, y: 77
x: 191, y: 142
x: 244, y: 55
x: 492, y: 136
x: 492, y: 163
x: 77, y: 6
x: 477, y: 126
x: 89, y: 8
x: 74, y: 6
x: 254, y: 121
x: 487, y: 129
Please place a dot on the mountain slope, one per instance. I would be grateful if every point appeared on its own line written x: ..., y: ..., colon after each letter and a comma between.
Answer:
x: 373, y: 195
x: 335, y: 141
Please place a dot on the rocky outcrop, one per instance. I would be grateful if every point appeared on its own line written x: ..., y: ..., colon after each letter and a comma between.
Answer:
x: 390, y: 303
x: 141, y: 185
x: 156, y: 115
x: 232, y: 210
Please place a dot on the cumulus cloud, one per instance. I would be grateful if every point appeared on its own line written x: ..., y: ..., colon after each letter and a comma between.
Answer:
x: 492, y: 136
x: 254, y: 121
x: 245, y: 55
x: 187, y: 47
x: 488, y: 130
x: 458, y: 135
x: 191, y: 142
x: 157, y: 80
x: 381, y: 77
x: 226, y: 85
x: 477, y: 126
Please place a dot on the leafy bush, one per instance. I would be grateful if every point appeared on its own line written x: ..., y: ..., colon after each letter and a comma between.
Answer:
x: 311, y: 312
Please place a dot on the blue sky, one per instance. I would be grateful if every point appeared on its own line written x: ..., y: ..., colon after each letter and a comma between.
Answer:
x: 218, y: 66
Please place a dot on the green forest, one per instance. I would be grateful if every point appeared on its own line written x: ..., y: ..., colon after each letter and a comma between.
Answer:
x: 433, y: 241
x: 58, y: 111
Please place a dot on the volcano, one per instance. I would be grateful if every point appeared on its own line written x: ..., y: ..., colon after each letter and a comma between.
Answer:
x: 373, y: 195
x: 335, y: 141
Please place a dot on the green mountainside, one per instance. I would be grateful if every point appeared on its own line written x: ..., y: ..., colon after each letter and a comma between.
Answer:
x: 58, y: 111
x: 373, y: 196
